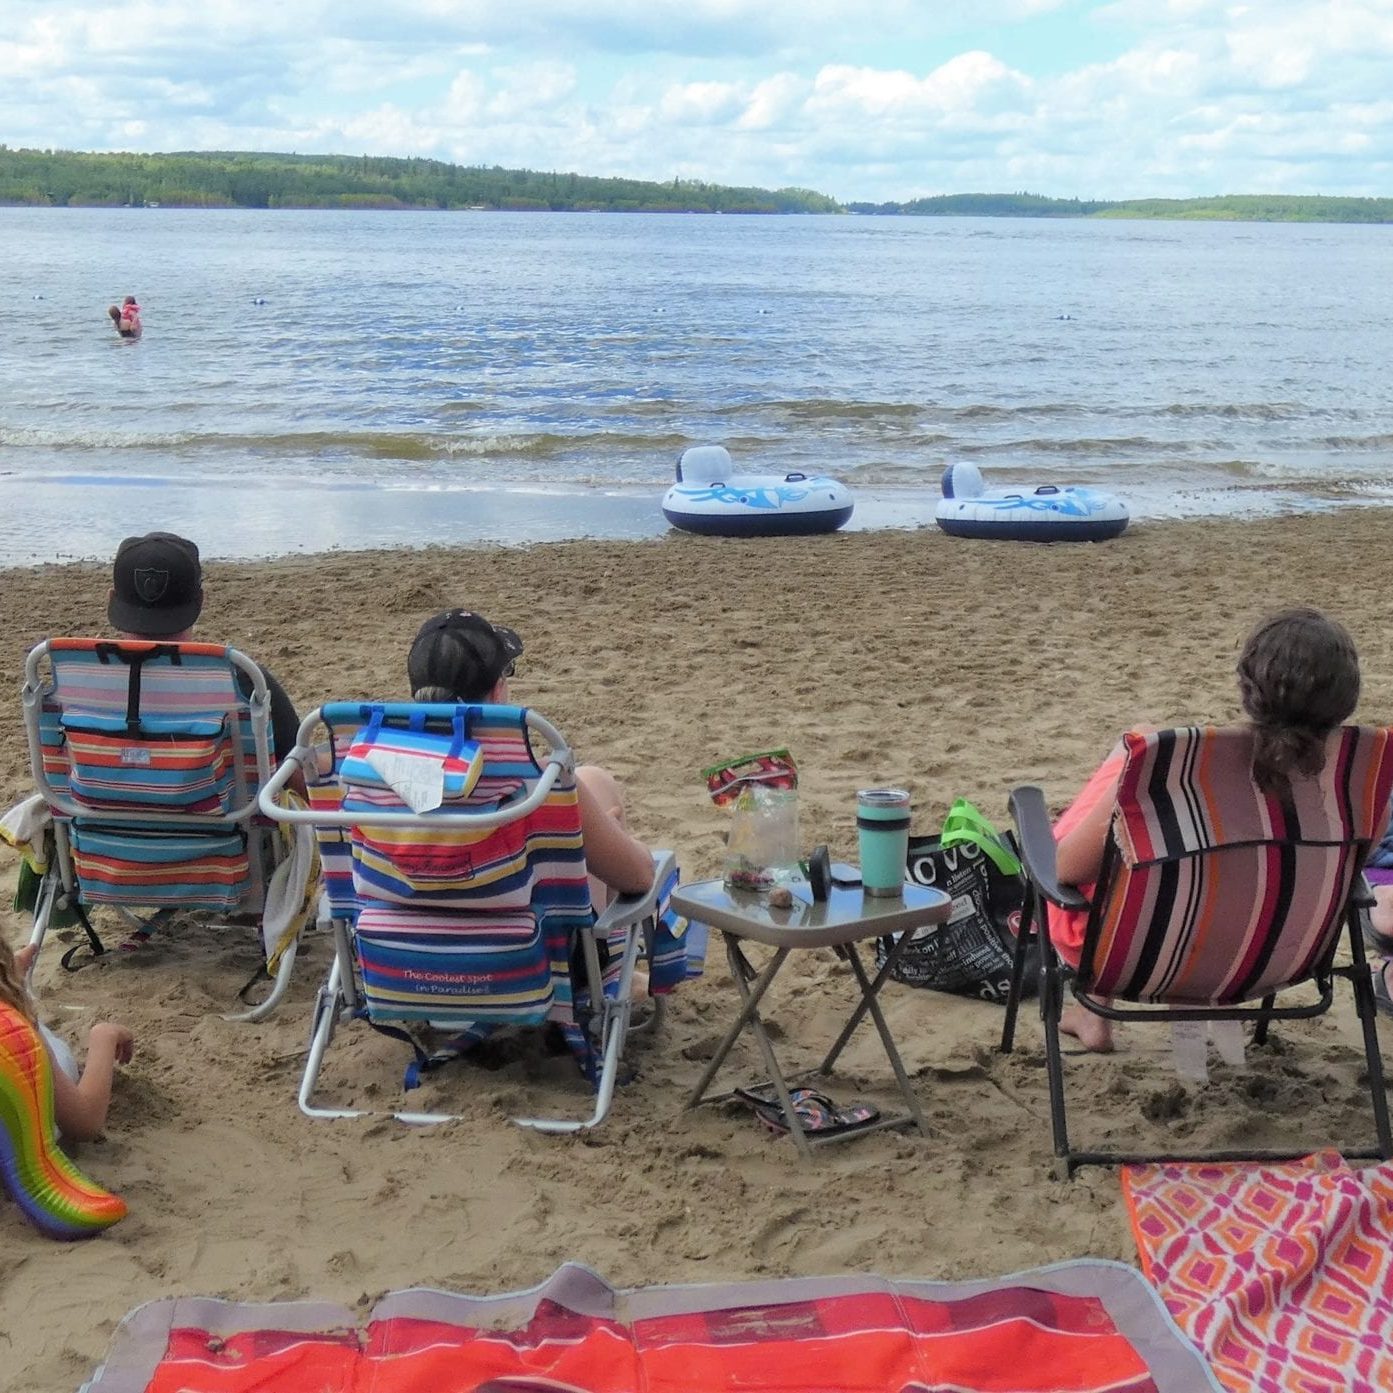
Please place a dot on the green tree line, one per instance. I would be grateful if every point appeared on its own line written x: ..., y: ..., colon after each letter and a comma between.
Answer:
x: 1228, y: 207
x: 218, y: 179
x: 231, y: 179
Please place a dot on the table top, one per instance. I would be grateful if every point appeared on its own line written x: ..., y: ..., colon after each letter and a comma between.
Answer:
x: 848, y: 915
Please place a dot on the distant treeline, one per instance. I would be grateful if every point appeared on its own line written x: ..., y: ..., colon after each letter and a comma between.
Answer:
x: 230, y: 179
x: 57, y: 178
x: 1227, y: 208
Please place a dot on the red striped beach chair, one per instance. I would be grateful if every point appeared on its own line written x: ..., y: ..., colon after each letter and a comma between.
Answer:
x: 150, y: 756
x: 456, y: 891
x: 1213, y: 898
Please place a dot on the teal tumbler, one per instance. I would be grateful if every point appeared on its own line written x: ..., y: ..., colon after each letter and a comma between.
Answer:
x: 882, y: 828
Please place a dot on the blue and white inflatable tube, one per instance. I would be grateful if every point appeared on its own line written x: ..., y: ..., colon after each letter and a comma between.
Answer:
x: 709, y: 497
x: 1048, y: 514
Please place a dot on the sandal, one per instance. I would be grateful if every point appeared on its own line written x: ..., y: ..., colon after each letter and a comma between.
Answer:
x: 817, y: 1114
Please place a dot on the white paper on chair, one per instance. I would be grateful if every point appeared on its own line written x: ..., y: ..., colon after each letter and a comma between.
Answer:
x: 419, y: 783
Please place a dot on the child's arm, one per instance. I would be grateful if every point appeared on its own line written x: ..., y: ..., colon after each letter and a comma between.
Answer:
x: 80, y: 1108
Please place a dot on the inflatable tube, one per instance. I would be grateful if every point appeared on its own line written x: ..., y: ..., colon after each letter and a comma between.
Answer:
x: 709, y: 497
x: 1047, y: 514
x: 54, y: 1195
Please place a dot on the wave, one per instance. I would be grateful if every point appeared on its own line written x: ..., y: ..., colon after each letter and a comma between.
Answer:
x: 370, y: 445
x: 1236, y: 411
x: 820, y: 408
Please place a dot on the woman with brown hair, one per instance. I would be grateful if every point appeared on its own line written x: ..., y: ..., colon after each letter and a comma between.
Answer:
x: 1298, y: 678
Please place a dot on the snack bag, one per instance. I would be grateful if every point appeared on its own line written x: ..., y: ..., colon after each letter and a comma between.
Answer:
x: 762, y: 792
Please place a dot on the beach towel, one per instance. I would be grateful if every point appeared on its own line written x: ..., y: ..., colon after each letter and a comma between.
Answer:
x: 1084, y: 1327
x: 1281, y: 1274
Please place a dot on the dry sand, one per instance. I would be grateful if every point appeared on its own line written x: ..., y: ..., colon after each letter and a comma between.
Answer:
x: 957, y: 668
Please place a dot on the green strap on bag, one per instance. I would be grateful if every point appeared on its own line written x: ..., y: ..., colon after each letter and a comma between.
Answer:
x: 965, y: 825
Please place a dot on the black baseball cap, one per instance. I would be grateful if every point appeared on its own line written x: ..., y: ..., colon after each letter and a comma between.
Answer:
x: 156, y: 585
x: 461, y: 652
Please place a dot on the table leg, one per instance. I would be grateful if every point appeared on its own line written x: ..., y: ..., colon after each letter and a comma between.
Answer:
x: 740, y: 970
x: 869, y: 1004
x: 897, y: 948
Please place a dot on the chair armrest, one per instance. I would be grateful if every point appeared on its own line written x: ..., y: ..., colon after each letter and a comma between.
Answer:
x: 1036, y: 837
x: 629, y: 909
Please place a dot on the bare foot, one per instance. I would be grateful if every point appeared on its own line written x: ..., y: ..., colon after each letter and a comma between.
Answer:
x: 1092, y: 1032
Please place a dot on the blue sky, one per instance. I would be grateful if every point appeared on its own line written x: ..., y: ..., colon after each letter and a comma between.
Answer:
x: 866, y: 100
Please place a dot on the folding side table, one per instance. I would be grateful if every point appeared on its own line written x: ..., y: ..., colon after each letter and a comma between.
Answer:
x: 847, y: 917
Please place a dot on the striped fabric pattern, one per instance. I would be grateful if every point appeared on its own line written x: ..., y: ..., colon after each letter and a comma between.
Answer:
x: 496, y: 881
x: 419, y: 965
x: 154, y: 868
x: 188, y: 767
x: 192, y: 755
x: 1221, y: 893
x: 678, y: 950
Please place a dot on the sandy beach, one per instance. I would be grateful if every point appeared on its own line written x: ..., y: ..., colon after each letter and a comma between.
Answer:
x: 954, y: 668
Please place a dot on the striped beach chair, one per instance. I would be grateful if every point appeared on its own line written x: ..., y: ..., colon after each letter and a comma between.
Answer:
x: 150, y: 756
x: 1213, y: 897
x: 456, y: 891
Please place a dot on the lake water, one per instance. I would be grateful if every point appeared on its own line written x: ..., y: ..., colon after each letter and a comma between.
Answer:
x: 310, y: 380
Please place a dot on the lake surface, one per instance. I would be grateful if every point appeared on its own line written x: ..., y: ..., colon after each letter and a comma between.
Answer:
x: 310, y: 380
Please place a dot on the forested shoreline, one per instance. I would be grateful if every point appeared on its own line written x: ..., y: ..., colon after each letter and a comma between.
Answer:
x: 233, y: 179
x: 1224, y: 208
x: 247, y: 180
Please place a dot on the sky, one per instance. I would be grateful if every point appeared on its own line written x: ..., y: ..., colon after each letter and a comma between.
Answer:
x: 861, y: 99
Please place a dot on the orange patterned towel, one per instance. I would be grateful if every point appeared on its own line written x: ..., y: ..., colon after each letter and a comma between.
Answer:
x: 1281, y: 1274
x: 1075, y: 1327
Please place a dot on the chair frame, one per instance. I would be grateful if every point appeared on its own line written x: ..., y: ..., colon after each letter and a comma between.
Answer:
x: 60, y: 889
x: 1042, y: 885
x: 339, y: 999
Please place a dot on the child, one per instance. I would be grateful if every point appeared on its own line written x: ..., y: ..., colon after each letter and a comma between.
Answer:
x: 80, y: 1100
x: 126, y: 318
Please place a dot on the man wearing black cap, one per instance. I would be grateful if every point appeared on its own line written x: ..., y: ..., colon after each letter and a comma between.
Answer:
x: 157, y: 593
x: 460, y: 656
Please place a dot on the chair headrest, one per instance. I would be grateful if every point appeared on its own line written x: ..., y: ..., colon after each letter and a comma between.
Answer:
x: 962, y: 481
x: 705, y: 464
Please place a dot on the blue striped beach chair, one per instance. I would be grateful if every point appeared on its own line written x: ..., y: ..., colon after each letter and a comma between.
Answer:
x: 150, y: 756
x: 456, y: 890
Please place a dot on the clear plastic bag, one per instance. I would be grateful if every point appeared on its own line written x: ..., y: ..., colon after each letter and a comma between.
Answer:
x: 761, y: 790
x: 762, y: 847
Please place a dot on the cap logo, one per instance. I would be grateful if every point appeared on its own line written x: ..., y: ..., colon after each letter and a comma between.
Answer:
x: 151, y: 584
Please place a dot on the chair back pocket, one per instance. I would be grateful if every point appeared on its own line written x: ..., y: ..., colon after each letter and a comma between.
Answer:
x: 181, y: 767
x: 453, y: 968
x: 200, y: 869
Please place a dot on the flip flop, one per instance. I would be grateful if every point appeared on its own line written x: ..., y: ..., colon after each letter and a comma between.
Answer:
x: 817, y: 1114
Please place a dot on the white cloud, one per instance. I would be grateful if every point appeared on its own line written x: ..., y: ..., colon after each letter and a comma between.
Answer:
x: 862, y: 99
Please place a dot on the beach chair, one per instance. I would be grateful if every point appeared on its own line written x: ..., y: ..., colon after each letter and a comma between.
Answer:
x: 150, y: 756
x: 1213, y: 898
x: 456, y: 891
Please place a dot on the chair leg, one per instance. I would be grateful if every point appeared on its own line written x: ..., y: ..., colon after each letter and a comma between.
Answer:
x: 279, y: 987
x: 1367, y: 1007
x: 1051, y: 1008
x: 327, y: 1006
x: 1029, y: 909
x: 1264, y: 1020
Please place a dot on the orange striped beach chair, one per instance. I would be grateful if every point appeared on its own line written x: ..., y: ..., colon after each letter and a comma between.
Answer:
x: 456, y: 892
x: 1213, y: 898
x: 150, y: 757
